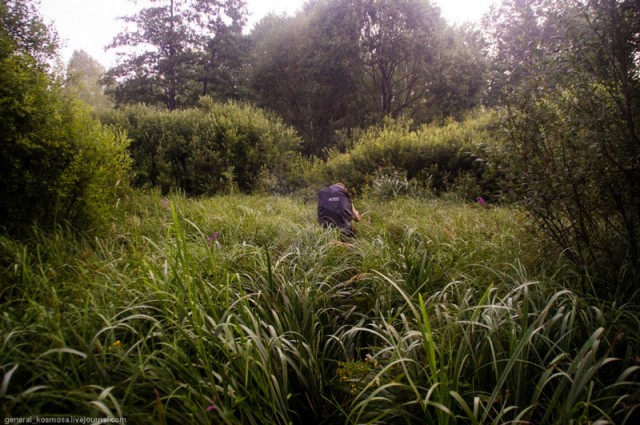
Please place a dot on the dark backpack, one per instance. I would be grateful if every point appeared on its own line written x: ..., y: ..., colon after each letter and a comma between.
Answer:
x: 335, y: 207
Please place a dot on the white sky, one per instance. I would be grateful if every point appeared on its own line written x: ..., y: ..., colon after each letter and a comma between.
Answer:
x: 90, y: 25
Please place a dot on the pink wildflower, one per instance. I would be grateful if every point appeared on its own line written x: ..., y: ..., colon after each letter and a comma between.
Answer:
x: 214, y: 239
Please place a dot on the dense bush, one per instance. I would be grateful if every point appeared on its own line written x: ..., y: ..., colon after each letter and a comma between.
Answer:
x: 579, y: 176
x: 575, y: 133
x: 432, y: 158
x: 56, y: 162
x: 214, y: 148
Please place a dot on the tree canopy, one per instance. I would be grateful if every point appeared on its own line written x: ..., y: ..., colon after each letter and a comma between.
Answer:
x: 25, y: 33
x: 175, y: 49
x: 84, y: 80
x: 352, y: 63
x: 335, y: 65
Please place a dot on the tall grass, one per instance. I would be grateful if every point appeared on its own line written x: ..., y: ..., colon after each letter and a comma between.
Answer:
x: 517, y: 352
x: 239, y: 309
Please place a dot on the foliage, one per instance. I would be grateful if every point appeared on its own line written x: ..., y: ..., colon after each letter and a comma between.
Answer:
x: 390, y: 185
x: 573, y: 123
x: 350, y: 63
x: 221, y: 71
x: 84, y: 75
x: 24, y: 32
x: 240, y: 309
x: 516, y: 37
x: 334, y: 66
x: 178, y: 47
x: 431, y: 158
x: 398, y: 47
x: 56, y: 162
x: 463, y: 355
x: 315, y: 83
x: 215, y: 148
x: 457, y: 78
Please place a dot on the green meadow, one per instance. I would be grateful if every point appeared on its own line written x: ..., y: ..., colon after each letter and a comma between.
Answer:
x: 240, y: 309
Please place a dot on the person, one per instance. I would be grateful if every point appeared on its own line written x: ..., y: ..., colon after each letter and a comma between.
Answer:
x: 335, y: 208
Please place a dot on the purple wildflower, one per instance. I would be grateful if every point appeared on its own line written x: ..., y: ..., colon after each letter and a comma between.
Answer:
x: 480, y: 200
x: 212, y: 407
x: 213, y: 239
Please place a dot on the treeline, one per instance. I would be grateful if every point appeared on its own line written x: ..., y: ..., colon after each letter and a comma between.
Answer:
x: 335, y: 65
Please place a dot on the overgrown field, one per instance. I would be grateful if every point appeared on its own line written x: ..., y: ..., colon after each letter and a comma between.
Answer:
x: 240, y: 309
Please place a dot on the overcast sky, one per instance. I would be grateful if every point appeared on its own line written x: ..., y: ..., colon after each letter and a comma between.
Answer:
x: 90, y: 25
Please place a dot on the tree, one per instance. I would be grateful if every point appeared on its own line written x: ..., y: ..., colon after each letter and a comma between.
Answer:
x: 307, y: 69
x: 24, y: 32
x: 168, y: 43
x: 341, y: 64
x: 518, y: 37
x: 398, y: 42
x: 84, y: 75
x: 418, y: 66
x: 456, y: 78
x: 222, y: 66
x: 574, y: 127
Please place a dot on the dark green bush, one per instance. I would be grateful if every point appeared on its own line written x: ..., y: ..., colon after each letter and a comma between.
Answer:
x: 56, y: 162
x: 577, y: 164
x: 574, y: 127
x: 432, y: 158
x: 211, y: 149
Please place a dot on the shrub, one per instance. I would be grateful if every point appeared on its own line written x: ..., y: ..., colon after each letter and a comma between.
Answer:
x: 575, y: 138
x: 431, y: 158
x: 214, y: 148
x: 391, y: 184
x: 56, y: 162
x: 578, y: 172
